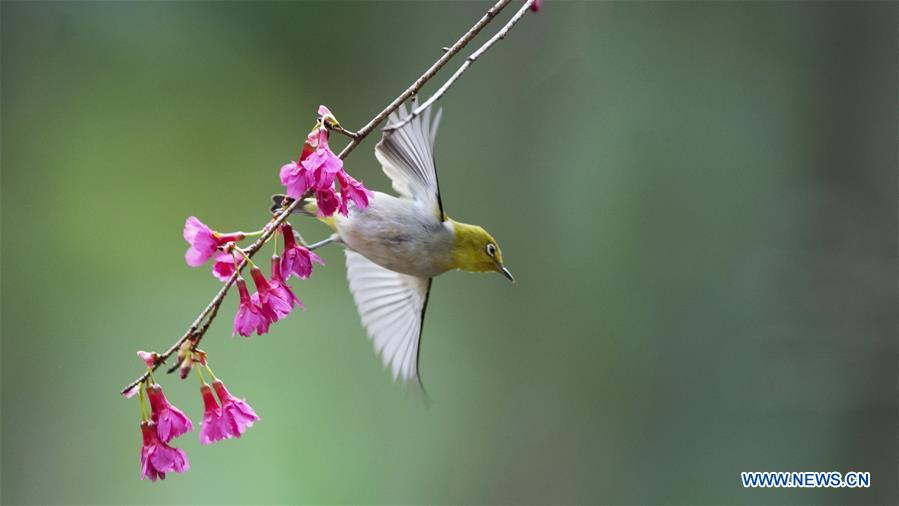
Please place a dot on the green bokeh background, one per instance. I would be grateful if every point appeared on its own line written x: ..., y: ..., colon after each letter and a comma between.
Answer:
x: 698, y: 201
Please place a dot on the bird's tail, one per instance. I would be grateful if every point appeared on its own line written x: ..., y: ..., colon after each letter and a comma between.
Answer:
x: 306, y: 208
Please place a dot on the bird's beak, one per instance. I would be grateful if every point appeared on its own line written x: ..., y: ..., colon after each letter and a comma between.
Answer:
x: 504, y: 271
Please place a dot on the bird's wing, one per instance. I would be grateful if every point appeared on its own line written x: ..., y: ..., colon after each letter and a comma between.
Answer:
x: 407, y: 157
x: 392, y: 308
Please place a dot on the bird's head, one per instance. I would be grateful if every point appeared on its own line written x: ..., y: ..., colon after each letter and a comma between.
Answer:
x: 475, y: 250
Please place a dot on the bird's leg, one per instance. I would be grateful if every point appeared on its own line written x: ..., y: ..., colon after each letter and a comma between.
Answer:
x: 324, y: 242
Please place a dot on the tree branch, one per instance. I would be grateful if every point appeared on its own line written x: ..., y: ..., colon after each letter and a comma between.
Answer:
x: 501, y: 34
x: 198, y: 329
x: 431, y: 72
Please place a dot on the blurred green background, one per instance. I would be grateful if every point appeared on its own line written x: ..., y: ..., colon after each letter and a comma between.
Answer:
x: 698, y: 201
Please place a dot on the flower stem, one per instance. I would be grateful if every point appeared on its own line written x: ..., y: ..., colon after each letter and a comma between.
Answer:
x: 143, y: 402
x: 200, y: 375
x: 247, y: 257
x: 209, y: 370
x: 299, y: 237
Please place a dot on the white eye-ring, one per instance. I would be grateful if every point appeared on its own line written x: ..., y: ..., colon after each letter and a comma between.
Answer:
x: 491, y: 249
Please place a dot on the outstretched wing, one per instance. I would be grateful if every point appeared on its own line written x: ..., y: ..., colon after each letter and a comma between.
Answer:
x: 407, y: 157
x: 392, y: 308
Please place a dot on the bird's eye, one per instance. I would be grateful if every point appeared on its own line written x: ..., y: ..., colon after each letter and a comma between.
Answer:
x: 491, y: 249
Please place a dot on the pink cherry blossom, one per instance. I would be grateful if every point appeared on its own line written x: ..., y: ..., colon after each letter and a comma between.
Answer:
x: 238, y: 413
x: 223, y: 268
x: 273, y: 303
x: 170, y: 421
x: 278, y: 285
x: 352, y: 190
x: 324, y: 165
x: 249, y: 316
x: 327, y: 201
x: 214, y: 427
x: 204, y: 241
x: 296, y: 178
x: 158, y: 458
x: 149, y: 357
x: 296, y: 260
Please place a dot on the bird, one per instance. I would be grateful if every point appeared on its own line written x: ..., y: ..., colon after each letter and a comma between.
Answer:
x: 397, y: 245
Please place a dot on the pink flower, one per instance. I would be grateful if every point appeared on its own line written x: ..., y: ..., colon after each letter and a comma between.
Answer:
x: 223, y: 268
x: 214, y: 427
x: 297, y: 260
x: 324, y: 165
x: 273, y: 303
x: 294, y: 175
x: 327, y: 201
x: 249, y: 316
x: 321, y: 165
x: 149, y: 357
x: 278, y: 285
x: 170, y: 421
x: 296, y: 178
x: 350, y: 189
x: 204, y: 241
x: 536, y: 5
x: 158, y: 458
x: 237, y: 412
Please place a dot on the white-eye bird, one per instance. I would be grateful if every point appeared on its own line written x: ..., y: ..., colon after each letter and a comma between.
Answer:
x: 397, y: 245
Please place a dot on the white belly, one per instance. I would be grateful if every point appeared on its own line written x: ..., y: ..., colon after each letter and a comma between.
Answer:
x: 400, y: 235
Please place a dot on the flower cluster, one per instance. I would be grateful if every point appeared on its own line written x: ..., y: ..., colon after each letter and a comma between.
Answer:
x: 274, y: 298
x: 317, y: 170
x: 224, y: 418
x: 164, y: 423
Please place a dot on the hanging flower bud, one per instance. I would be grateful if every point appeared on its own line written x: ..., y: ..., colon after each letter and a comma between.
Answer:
x: 204, y: 241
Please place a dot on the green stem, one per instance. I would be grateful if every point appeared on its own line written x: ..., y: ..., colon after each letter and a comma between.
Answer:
x: 209, y: 370
x: 247, y: 257
x: 143, y: 402
x: 200, y: 375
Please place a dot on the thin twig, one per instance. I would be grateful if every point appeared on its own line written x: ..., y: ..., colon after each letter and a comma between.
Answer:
x: 344, y: 131
x: 198, y: 329
x: 413, y: 89
x: 501, y: 34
